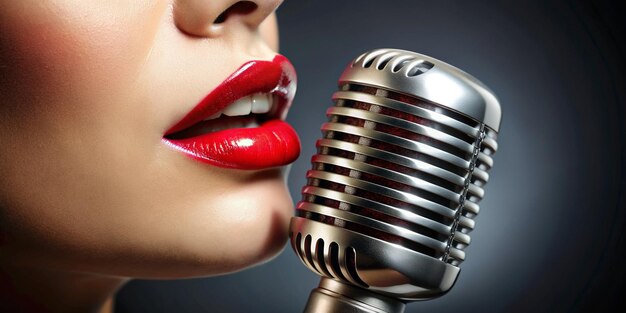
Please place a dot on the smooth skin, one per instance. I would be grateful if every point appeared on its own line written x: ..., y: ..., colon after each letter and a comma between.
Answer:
x: 89, y: 195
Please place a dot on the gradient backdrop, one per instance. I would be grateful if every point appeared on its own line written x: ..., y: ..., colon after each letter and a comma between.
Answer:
x: 551, y: 230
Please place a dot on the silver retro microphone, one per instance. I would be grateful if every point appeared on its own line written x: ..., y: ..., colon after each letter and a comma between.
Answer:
x: 395, y: 185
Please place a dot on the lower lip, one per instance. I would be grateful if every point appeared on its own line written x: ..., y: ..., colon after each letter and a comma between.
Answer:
x: 274, y: 143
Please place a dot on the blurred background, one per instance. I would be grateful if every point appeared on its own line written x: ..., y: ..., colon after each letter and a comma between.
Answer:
x: 550, y: 235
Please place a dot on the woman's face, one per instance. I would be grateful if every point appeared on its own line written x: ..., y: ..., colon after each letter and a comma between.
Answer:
x: 93, y: 175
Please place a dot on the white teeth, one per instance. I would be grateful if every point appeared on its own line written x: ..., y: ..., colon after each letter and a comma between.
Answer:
x: 239, y: 107
x: 214, y: 116
x: 261, y: 103
x: 258, y: 103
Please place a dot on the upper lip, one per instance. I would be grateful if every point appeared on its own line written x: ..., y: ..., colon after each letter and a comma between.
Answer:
x: 277, y: 77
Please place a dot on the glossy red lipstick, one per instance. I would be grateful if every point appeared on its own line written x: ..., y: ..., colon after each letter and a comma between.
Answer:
x: 273, y: 143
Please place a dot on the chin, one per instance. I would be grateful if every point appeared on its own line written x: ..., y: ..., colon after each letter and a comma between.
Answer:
x: 244, y: 227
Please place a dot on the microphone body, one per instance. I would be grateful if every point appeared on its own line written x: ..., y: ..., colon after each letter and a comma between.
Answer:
x: 395, y: 185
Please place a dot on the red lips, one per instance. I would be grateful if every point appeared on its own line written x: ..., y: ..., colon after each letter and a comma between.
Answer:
x: 273, y: 143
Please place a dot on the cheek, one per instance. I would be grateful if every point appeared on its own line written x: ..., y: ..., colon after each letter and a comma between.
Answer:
x: 33, y: 63
x: 54, y: 56
x: 67, y: 79
x: 68, y: 74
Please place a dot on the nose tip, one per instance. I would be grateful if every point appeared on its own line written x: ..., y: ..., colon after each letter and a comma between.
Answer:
x: 210, y: 18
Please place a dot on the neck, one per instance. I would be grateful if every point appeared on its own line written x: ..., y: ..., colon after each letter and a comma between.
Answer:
x: 29, y: 289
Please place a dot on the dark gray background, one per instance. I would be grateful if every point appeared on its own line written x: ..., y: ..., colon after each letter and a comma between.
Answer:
x: 551, y: 230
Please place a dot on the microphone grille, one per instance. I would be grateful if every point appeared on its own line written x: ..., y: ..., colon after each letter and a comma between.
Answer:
x: 397, y: 174
x: 405, y: 62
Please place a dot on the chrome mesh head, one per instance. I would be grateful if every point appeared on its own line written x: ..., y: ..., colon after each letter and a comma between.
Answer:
x: 400, y: 169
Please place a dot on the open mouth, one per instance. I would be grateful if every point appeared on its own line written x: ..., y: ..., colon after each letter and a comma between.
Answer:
x: 246, y: 112
x: 240, y: 124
